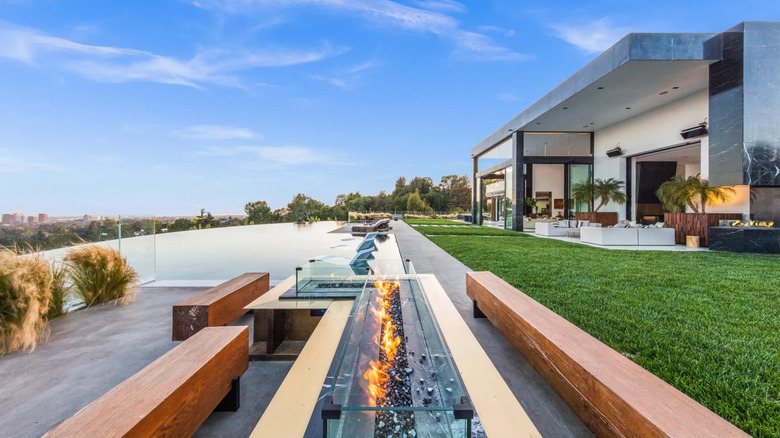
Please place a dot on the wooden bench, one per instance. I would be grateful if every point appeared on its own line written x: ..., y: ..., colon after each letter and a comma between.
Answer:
x: 220, y: 305
x: 282, y: 326
x: 288, y: 414
x: 612, y: 395
x: 173, y: 395
x: 498, y: 409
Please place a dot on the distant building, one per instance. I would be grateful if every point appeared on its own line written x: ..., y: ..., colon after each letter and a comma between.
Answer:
x: 8, y: 219
x: 43, y: 218
x: 32, y: 220
x: 18, y: 218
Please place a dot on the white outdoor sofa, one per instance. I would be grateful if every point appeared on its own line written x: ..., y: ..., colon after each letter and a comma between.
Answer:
x: 628, y: 236
x: 562, y: 227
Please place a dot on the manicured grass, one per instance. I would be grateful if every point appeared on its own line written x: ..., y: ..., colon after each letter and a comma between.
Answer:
x: 708, y: 323
x: 433, y: 222
x: 467, y: 231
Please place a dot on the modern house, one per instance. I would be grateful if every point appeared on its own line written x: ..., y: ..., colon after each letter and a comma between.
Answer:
x: 649, y: 108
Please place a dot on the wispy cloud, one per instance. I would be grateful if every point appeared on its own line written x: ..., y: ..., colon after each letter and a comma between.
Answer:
x: 336, y: 82
x: 362, y: 66
x: 216, y: 132
x: 115, y: 64
x: 499, y: 30
x: 346, y: 78
x: 288, y: 155
x: 593, y: 36
x: 12, y: 162
x: 441, y: 5
x: 469, y: 45
x: 507, y: 96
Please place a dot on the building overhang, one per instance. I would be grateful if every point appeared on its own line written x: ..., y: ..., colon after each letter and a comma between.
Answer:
x: 639, y: 73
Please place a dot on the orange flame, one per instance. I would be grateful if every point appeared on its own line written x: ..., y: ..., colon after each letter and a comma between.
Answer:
x: 377, y: 374
x: 376, y: 377
x: 752, y: 223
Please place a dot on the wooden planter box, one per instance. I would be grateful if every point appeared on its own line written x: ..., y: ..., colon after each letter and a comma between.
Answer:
x: 604, y: 218
x: 696, y: 224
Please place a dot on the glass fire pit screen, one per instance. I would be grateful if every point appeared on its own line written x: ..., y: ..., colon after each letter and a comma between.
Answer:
x: 395, y: 376
x: 333, y: 278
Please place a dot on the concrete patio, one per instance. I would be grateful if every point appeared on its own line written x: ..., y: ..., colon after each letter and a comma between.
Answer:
x: 90, y: 351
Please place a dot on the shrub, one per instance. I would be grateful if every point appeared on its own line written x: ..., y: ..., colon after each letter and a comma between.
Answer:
x: 355, y: 216
x: 100, y: 274
x: 59, y: 290
x: 25, y: 294
x: 432, y: 216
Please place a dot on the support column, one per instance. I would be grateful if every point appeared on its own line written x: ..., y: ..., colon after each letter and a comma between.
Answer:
x: 567, y: 207
x: 478, y: 217
x: 474, y: 187
x: 518, y: 200
x: 629, y: 188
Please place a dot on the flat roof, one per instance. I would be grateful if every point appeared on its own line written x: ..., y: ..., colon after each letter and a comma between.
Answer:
x: 649, y: 62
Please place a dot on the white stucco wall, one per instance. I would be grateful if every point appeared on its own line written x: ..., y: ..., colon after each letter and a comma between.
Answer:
x: 653, y: 130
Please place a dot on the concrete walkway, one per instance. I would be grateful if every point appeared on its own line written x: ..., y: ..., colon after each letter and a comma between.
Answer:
x: 548, y: 412
x: 90, y: 351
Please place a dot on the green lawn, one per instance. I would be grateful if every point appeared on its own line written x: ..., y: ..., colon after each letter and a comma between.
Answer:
x: 708, y: 323
x: 433, y: 222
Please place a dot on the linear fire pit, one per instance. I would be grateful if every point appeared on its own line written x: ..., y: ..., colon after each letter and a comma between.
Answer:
x: 752, y: 239
x: 394, y: 375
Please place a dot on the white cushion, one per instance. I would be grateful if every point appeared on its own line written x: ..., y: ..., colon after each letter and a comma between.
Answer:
x: 656, y: 236
x: 609, y: 236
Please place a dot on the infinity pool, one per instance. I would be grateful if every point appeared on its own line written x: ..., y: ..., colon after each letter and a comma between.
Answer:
x: 207, y: 257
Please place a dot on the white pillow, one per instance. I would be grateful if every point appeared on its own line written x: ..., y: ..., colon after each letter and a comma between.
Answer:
x: 621, y: 225
x: 659, y: 224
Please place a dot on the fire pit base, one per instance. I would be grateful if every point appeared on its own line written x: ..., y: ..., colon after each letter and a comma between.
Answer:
x: 758, y: 240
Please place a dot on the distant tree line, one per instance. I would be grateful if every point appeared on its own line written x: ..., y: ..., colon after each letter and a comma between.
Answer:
x: 420, y: 195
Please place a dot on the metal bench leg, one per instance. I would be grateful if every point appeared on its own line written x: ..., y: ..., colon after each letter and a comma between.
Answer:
x: 478, y: 313
x: 232, y: 400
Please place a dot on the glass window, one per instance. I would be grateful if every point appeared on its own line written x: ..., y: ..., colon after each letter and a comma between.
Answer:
x: 559, y: 144
x: 509, y: 196
x: 496, y: 155
x: 578, y: 173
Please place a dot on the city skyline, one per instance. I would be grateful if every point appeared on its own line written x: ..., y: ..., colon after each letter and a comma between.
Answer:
x: 169, y: 107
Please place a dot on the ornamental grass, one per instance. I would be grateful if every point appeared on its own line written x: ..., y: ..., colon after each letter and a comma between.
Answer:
x: 100, y: 274
x: 59, y: 290
x: 25, y: 296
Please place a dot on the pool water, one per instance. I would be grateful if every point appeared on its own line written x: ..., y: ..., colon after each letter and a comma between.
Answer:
x: 209, y: 257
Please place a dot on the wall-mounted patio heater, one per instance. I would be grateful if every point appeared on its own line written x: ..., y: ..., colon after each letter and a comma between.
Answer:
x: 699, y: 130
x: 616, y: 152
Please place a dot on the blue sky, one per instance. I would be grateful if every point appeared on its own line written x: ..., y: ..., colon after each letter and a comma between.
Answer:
x: 169, y: 106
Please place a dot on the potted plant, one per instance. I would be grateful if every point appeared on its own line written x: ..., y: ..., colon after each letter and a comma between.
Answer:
x: 531, y: 203
x: 606, y: 191
x: 681, y: 193
x: 694, y: 192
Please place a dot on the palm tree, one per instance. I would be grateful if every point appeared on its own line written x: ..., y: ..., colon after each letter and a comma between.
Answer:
x: 606, y: 190
x: 693, y: 191
x: 675, y: 194
x: 709, y: 194
x: 584, y: 192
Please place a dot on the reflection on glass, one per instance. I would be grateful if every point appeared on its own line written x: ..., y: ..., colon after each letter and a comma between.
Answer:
x: 556, y: 144
x: 578, y: 173
x: 509, y: 196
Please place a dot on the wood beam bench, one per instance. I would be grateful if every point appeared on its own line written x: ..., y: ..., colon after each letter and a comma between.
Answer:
x: 173, y: 395
x: 612, y: 395
x: 282, y: 326
x: 288, y: 414
x: 498, y: 409
x: 220, y: 305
